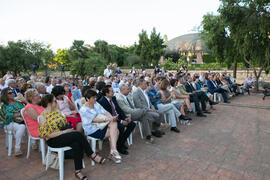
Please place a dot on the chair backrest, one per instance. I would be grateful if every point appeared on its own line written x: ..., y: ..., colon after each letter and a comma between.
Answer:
x: 22, y: 110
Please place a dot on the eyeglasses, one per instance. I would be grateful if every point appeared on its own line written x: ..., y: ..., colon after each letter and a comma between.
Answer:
x: 10, y: 92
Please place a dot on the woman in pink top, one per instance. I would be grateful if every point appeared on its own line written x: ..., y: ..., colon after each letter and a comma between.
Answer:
x: 31, y: 111
x: 67, y: 108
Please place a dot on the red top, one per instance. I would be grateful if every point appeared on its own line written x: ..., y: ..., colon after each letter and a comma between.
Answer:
x: 32, y: 125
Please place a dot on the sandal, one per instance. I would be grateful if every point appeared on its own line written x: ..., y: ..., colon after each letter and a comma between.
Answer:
x: 78, y: 177
x: 101, y: 161
x: 114, y: 155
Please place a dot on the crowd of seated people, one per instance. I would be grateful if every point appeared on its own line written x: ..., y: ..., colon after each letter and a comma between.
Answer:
x: 66, y: 111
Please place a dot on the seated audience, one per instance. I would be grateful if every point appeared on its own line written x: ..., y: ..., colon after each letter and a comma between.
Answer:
x: 93, y: 118
x: 54, y: 127
x: 214, y: 88
x: 31, y: 112
x: 178, y: 97
x: 67, y: 108
x: 167, y: 96
x: 124, y: 124
x: 11, y: 117
x: 249, y: 82
x: 137, y: 114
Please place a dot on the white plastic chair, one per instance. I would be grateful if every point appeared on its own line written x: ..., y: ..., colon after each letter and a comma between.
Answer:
x: 93, y: 145
x: 41, y: 144
x: 9, y: 137
x: 192, y: 105
x: 130, y: 138
x: 61, y: 153
x: 217, y: 95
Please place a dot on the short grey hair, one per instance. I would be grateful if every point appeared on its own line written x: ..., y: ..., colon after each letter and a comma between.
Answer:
x: 10, y: 81
x: 141, y: 81
x: 38, y: 85
x: 122, y: 85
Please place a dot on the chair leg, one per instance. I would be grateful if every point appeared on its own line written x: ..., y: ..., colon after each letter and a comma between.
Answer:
x: 165, y: 118
x: 61, y: 164
x: 28, y: 147
x: 215, y: 97
x: 42, y: 148
x: 6, y: 140
x: 140, y: 128
x: 83, y: 165
x: 48, y: 158
x: 100, y: 142
x: 130, y: 139
x: 93, y: 143
x: 9, y: 144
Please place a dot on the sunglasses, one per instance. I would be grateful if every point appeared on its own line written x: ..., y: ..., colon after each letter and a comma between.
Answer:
x: 10, y: 92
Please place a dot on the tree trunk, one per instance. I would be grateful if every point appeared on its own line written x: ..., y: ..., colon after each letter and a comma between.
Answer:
x: 234, y: 69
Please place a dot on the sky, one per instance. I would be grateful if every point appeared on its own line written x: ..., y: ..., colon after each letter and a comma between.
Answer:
x: 59, y: 22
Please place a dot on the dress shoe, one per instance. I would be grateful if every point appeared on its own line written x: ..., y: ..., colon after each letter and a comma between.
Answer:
x: 122, y: 150
x: 207, y: 112
x: 190, y: 112
x: 214, y: 103
x: 201, y: 115
x: 184, y: 117
x: 175, y: 129
x: 161, y: 132
x: 157, y: 134
x: 149, y: 139
x: 188, y: 118
x: 227, y: 102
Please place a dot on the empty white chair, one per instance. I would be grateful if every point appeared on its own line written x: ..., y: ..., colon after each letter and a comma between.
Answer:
x: 93, y: 145
x: 30, y: 138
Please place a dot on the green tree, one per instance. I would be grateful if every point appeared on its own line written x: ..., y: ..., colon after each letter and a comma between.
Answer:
x: 102, y: 48
x: 3, y: 62
x: 150, y: 49
x: 248, y: 22
x: 217, y: 37
x: 47, y: 57
x: 78, y: 50
x: 95, y: 64
x: 62, y: 58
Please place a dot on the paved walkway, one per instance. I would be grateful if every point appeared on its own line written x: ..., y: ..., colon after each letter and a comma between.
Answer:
x: 232, y: 143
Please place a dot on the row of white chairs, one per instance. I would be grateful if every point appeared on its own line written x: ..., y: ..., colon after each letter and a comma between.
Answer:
x: 59, y: 151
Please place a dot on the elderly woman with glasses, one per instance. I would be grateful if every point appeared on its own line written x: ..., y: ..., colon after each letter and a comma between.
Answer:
x: 31, y: 112
x: 11, y: 117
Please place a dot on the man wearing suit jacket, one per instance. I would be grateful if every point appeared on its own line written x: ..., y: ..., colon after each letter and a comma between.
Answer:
x: 200, y: 94
x: 137, y: 114
x: 125, y: 125
x: 214, y: 88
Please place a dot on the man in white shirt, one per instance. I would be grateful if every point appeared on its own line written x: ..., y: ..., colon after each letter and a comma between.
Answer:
x: 51, y: 86
x: 107, y: 72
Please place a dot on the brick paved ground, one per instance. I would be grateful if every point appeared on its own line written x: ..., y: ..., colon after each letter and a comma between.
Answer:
x: 231, y: 143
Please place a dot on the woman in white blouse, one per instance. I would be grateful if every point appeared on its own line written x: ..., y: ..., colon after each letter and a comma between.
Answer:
x: 94, y: 116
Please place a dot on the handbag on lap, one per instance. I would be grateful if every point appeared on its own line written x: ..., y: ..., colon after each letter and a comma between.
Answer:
x: 101, y: 125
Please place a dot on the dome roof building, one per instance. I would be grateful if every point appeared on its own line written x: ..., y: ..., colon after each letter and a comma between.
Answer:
x: 189, y: 44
